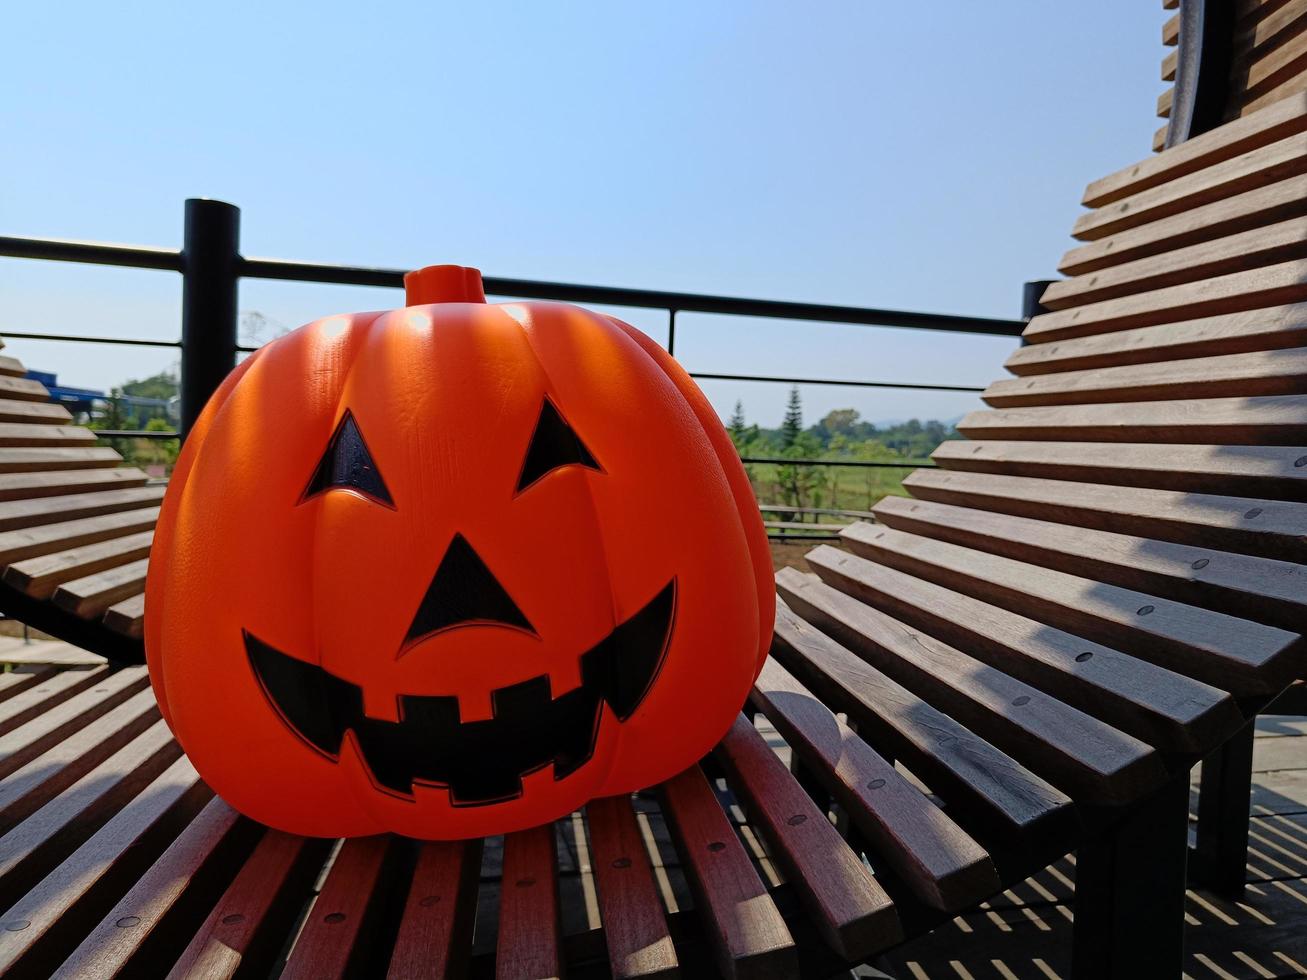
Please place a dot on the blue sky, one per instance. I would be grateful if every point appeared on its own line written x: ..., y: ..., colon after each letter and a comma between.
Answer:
x: 921, y: 156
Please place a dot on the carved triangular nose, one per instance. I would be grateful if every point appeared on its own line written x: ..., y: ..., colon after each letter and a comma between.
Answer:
x: 464, y: 592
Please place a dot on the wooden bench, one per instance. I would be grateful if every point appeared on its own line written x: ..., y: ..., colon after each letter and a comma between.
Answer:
x: 1100, y: 586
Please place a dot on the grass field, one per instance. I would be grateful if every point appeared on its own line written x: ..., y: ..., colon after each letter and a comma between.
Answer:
x: 834, y: 487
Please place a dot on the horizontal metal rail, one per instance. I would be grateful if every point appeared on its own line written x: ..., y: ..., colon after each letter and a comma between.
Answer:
x: 909, y: 385
x: 835, y: 462
x: 82, y: 339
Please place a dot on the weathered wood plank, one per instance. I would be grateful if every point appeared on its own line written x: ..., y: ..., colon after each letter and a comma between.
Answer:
x: 35, y: 931
x: 1075, y: 752
x: 635, y: 928
x: 1234, y: 175
x: 27, y: 486
x: 1235, y: 292
x: 39, y: 577
x: 1163, y: 708
x: 43, y: 840
x: 1204, y: 520
x: 19, y: 435
x: 1282, y: 372
x: 12, y: 367
x: 1283, y: 200
x: 1234, y: 654
x: 1164, y: 103
x: 1171, y: 31
x: 848, y: 906
x: 336, y: 922
x: 24, y: 389
x: 1249, y: 586
x: 127, y: 617
x: 266, y: 883
x: 23, y: 412
x: 1248, y: 471
x: 31, y: 786
x: 31, y: 460
x: 528, y: 944
x: 15, y: 514
x: 109, y: 949
x: 90, y: 596
x: 1263, y: 420
x: 973, y: 777
x: 435, y: 928
x: 747, y: 932
x: 1270, y: 329
x: 36, y: 701
x: 1169, y: 64
x: 44, y: 539
x: 53, y: 724
x: 1269, y: 245
x: 942, y: 865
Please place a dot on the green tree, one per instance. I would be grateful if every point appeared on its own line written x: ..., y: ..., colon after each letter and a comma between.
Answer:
x: 736, y: 425
x: 792, y: 426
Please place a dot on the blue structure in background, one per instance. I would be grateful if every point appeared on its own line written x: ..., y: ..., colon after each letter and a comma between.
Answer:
x: 88, y: 403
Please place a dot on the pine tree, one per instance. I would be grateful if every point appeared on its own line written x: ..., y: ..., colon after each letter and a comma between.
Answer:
x: 793, y: 424
x: 736, y: 424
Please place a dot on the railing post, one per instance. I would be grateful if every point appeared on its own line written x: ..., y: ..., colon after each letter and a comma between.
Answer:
x: 210, y: 273
x: 1031, y: 293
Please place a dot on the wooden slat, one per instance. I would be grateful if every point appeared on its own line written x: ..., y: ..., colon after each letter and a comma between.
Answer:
x: 335, y: 923
x: 1269, y: 245
x: 527, y: 946
x: 15, y: 683
x: 1278, y: 529
x: 1205, y: 150
x: 53, y: 724
x: 975, y: 778
x: 748, y: 935
x: 108, y: 951
x: 268, y: 880
x: 1159, y: 138
x: 39, y: 577
x: 26, y: 486
x: 29, y: 460
x: 1169, y: 64
x: 34, y: 932
x: 1171, y: 31
x: 1164, y: 103
x: 1287, y: 87
x: 24, y: 389
x: 1281, y: 201
x: 848, y: 906
x: 18, y: 434
x: 30, y: 787
x: 12, y: 367
x: 635, y: 928
x: 1165, y: 709
x: 1239, y: 291
x: 1272, y: 29
x: 1234, y: 654
x: 17, y: 410
x: 44, y: 539
x: 36, y: 701
x: 1282, y: 372
x: 1257, y: 588
x: 127, y: 617
x: 1264, y: 74
x: 1075, y: 752
x: 15, y: 514
x: 1254, y: 330
x: 937, y: 860
x: 1267, y: 420
x: 435, y: 927
x: 90, y: 596
x: 44, y: 839
x: 1256, y: 168
x: 1259, y: 471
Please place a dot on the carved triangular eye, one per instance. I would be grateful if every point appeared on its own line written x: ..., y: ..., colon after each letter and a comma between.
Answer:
x: 348, y: 465
x: 553, y: 444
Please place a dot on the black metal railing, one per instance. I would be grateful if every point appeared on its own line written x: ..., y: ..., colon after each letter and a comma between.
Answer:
x: 211, y: 268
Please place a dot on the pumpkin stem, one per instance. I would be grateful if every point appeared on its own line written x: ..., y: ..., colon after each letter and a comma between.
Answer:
x: 443, y: 284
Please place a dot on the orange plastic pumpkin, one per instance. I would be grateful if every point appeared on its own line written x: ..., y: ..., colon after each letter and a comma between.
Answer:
x: 453, y: 570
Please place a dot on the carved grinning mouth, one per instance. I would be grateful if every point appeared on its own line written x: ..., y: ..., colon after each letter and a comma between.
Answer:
x: 479, y: 762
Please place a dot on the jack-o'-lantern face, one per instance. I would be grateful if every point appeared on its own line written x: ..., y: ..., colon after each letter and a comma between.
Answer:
x: 453, y: 570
